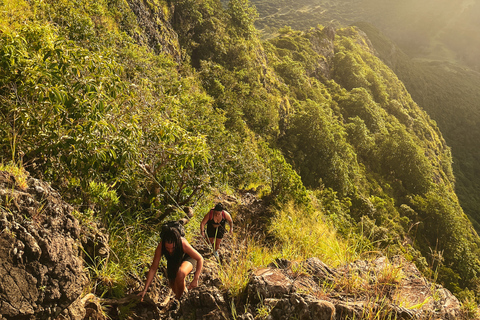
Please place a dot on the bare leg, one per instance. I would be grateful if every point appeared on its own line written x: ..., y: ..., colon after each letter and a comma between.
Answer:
x: 211, y: 241
x: 178, y: 285
x: 217, y: 244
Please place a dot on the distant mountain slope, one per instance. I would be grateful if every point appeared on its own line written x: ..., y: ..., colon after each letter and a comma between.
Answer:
x: 451, y: 95
x: 446, y: 30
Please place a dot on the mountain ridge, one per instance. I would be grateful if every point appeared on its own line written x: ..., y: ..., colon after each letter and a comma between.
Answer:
x: 313, y: 122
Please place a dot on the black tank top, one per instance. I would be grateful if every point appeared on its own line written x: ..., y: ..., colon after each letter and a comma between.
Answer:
x: 214, y: 224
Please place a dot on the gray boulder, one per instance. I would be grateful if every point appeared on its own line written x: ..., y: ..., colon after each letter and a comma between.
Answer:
x: 41, y: 266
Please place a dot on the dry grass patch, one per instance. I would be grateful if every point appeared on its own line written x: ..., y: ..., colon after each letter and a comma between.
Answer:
x: 249, y: 253
x: 19, y: 174
x: 304, y: 235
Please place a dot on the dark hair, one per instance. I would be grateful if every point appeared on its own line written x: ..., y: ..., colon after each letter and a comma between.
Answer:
x: 171, y: 235
x: 218, y: 207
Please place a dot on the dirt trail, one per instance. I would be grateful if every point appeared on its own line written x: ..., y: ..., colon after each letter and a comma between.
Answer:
x: 250, y: 216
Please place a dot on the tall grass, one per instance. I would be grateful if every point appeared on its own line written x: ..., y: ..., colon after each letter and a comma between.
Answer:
x: 304, y: 235
x: 132, y: 245
x: 249, y: 254
x: 298, y: 236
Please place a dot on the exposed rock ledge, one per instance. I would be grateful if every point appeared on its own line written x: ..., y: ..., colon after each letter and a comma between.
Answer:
x: 392, y: 289
x: 41, y: 251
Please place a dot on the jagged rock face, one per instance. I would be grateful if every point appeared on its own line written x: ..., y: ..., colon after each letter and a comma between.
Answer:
x: 322, y: 43
x: 158, y: 33
x: 278, y: 292
x: 41, y: 268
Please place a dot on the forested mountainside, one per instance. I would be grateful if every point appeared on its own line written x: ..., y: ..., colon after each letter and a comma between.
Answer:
x: 135, y: 110
x: 449, y: 94
x: 434, y: 54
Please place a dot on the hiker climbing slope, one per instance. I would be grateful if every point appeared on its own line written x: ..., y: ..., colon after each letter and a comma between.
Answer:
x: 181, y: 257
x: 216, y: 220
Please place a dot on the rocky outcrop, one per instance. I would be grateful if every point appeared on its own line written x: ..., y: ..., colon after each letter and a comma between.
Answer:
x: 42, y: 270
x: 157, y: 31
x: 323, y: 43
x: 387, y: 289
x: 322, y: 40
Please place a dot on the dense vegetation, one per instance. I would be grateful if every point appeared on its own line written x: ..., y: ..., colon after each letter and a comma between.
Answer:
x: 128, y: 123
x: 441, y: 39
x: 449, y: 94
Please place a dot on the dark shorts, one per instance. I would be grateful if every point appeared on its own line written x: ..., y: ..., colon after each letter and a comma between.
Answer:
x: 213, y: 232
x: 191, y: 260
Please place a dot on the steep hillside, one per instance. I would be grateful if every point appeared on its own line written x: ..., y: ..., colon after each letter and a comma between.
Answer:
x: 449, y: 94
x: 140, y: 112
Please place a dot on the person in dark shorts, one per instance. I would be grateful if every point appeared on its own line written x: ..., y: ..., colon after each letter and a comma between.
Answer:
x: 181, y: 259
x: 216, y: 220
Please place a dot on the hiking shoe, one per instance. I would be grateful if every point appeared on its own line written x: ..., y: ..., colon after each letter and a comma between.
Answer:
x: 215, y: 253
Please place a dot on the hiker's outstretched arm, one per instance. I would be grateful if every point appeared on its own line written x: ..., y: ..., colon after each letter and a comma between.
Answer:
x: 229, y: 220
x: 153, y: 269
x: 188, y: 249
x: 202, y: 224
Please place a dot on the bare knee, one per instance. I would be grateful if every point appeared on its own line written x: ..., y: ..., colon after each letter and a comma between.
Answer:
x: 180, y: 275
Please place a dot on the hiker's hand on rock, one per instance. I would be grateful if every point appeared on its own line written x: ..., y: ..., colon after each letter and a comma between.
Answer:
x: 141, y: 295
x: 193, y: 284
